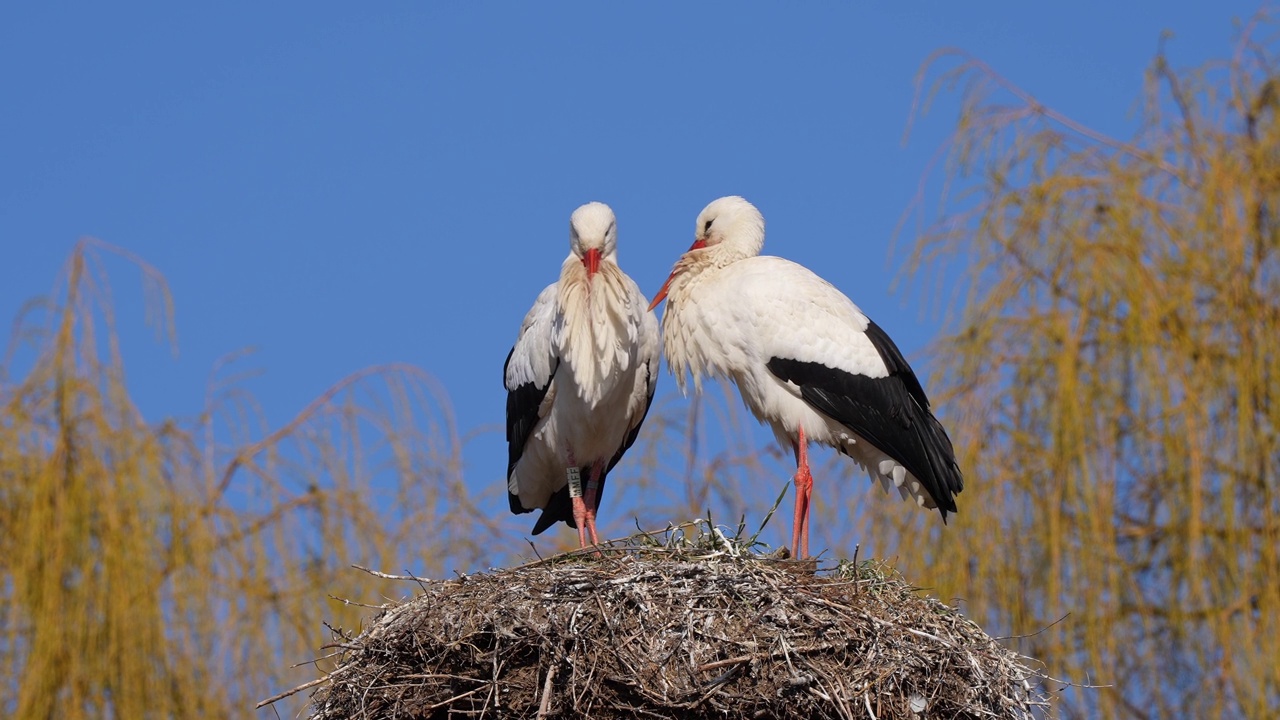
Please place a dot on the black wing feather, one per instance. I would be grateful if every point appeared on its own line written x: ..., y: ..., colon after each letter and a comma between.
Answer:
x: 522, y: 416
x: 939, y: 451
x: 897, y: 364
x: 559, y: 507
x: 891, y: 413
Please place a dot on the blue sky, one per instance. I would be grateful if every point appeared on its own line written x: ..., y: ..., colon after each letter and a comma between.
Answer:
x: 340, y: 185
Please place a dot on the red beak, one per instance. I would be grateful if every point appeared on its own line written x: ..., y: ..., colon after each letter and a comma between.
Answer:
x: 662, y: 292
x: 592, y: 261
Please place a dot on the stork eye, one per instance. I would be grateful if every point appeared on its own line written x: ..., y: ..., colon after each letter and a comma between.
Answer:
x: 707, y: 228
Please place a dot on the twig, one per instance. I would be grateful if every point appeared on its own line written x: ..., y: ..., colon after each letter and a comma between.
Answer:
x: 769, y: 655
x: 857, y: 587
x: 468, y: 693
x: 1046, y: 627
x: 544, y: 706
x: 728, y: 661
x: 294, y: 691
x: 314, y: 660
x: 345, y: 601
x: 384, y: 576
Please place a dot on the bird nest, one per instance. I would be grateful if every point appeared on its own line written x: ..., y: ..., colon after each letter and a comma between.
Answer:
x: 688, y: 623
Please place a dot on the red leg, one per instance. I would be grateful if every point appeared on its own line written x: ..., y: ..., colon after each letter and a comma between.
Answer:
x: 804, y: 489
x: 592, y: 498
x: 580, y: 519
x: 575, y: 497
x: 579, y: 516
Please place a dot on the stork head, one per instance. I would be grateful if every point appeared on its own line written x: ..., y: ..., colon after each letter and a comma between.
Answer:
x: 726, y: 230
x: 593, y: 235
x: 733, y: 223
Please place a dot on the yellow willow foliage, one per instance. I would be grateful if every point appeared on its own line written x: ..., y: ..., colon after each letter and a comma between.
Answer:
x: 178, y: 570
x: 1113, y: 389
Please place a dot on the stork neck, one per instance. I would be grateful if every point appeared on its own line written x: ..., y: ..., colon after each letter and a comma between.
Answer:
x: 714, y: 258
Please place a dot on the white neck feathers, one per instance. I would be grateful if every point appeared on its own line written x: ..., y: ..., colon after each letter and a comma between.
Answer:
x: 594, y: 329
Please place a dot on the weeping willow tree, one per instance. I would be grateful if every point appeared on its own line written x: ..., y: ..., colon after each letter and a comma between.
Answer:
x: 1112, y: 383
x: 178, y: 569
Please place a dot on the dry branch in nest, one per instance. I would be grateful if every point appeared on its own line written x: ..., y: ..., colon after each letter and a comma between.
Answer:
x: 673, y: 627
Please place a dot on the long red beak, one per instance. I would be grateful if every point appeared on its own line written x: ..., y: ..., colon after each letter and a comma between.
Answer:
x: 592, y: 261
x: 662, y: 292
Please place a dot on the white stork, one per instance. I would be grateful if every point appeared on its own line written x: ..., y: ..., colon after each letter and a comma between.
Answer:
x: 579, y: 380
x: 806, y: 360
